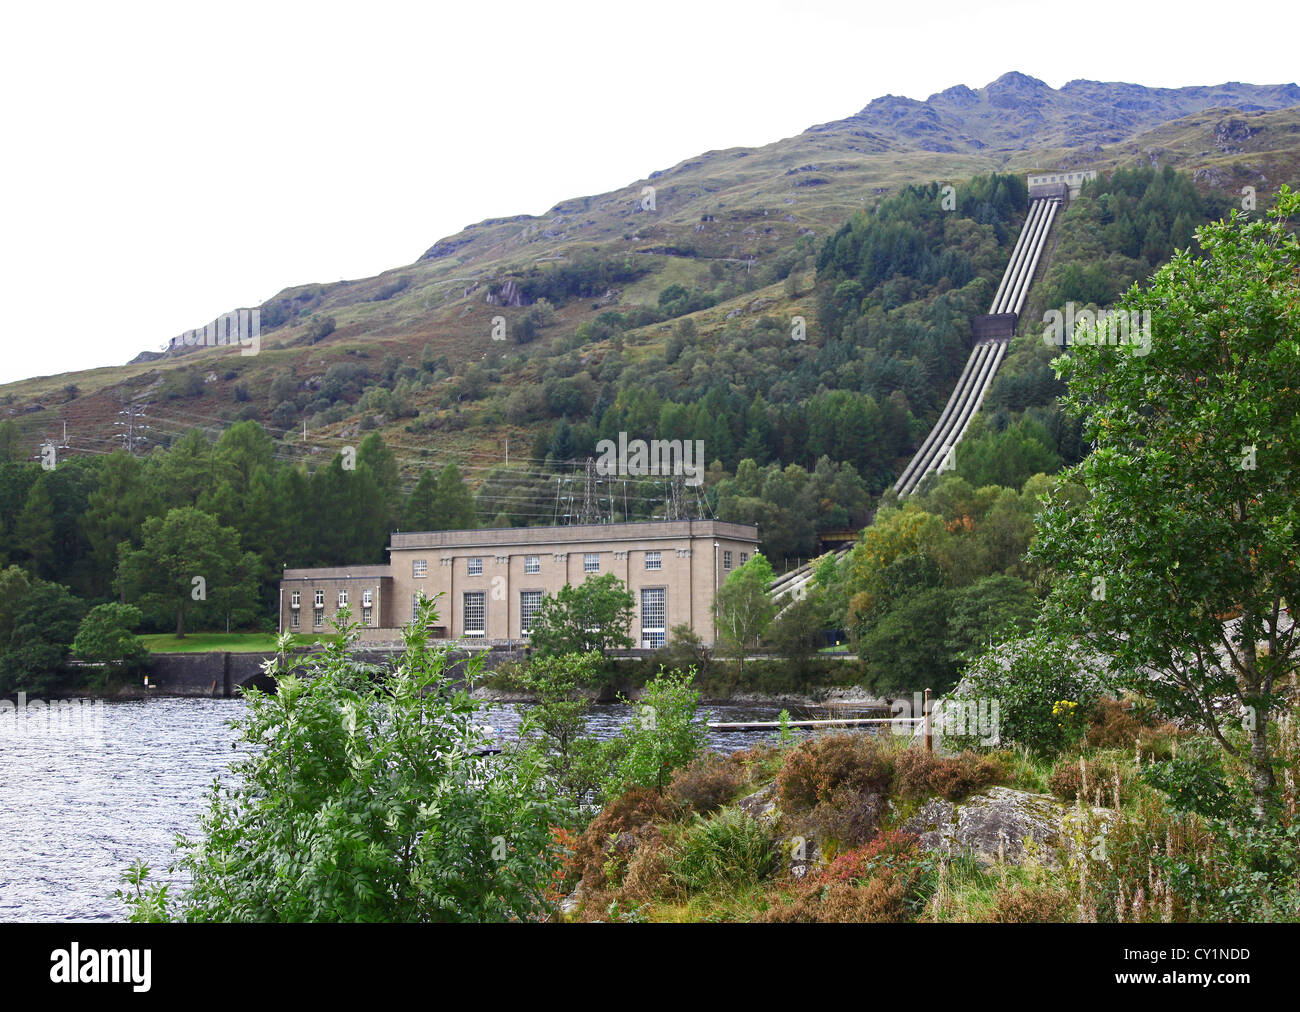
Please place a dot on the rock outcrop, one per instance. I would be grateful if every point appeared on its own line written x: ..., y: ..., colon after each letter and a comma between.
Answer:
x: 1004, y: 824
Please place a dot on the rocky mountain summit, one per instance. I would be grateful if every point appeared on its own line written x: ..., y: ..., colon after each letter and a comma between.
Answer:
x: 1017, y: 112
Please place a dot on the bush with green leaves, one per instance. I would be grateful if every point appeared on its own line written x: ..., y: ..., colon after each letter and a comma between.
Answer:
x: 557, y: 722
x: 107, y: 636
x: 730, y: 849
x: 361, y: 797
x: 662, y: 736
x: 593, y: 615
x: 1025, y: 678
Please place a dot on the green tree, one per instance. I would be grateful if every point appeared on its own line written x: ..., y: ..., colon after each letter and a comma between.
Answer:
x: 1181, y: 564
x: 34, y: 529
x: 662, y: 735
x: 743, y: 608
x: 419, y: 513
x: 903, y: 648
x: 10, y: 442
x: 990, y: 610
x: 42, y: 624
x: 116, y: 512
x: 557, y: 722
x: 363, y: 800
x: 183, y: 557
x: 593, y: 615
x: 107, y: 636
x: 454, y: 505
x: 376, y: 455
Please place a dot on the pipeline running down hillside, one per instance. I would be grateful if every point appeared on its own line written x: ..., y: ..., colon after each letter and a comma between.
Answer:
x: 985, y: 357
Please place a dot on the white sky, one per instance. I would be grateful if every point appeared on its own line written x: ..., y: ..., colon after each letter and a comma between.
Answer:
x: 164, y: 163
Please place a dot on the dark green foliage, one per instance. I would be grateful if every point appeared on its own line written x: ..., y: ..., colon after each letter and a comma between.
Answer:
x: 728, y: 850
x: 361, y: 800
x: 587, y: 276
x: 579, y: 618
x: 1122, y: 227
x: 38, y: 622
x: 107, y: 636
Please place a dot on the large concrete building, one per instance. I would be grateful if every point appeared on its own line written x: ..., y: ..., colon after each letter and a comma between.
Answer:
x: 489, y: 583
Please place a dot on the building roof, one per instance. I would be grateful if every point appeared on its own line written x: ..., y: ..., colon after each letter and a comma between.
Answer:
x: 383, y: 571
x: 635, y: 530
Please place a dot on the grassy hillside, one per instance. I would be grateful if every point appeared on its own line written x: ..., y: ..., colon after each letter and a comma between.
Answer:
x: 741, y: 225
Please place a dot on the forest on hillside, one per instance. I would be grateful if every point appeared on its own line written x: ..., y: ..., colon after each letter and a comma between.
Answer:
x: 800, y: 436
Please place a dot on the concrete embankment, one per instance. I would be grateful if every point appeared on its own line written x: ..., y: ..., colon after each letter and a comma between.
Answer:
x: 218, y: 675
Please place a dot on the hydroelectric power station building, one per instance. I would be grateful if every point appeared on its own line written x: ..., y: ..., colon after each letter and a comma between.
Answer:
x: 492, y: 580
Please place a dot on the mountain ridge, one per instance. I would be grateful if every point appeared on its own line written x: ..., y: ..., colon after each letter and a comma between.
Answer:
x: 738, y: 212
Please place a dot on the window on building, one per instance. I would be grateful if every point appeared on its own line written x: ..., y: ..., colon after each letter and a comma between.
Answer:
x: 320, y: 599
x: 343, y: 598
x: 420, y: 568
x: 532, y: 564
x: 726, y: 562
x: 654, y: 617
x: 366, y: 616
x: 366, y: 600
x: 294, y: 619
x: 475, y: 566
x: 744, y: 557
x: 654, y: 560
x: 295, y: 599
x: 591, y: 562
x: 475, y: 609
x: 416, y: 598
x: 529, y: 602
x: 317, y: 619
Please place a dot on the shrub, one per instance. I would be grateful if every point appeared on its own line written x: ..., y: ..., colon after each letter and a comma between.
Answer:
x: 1095, y: 778
x: 1031, y: 905
x: 647, y: 873
x: 706, y: 784
x: 319, y: 328
x: 1117, y: 724
x: 294, y: 835
x: 729, y: 849
x: 624, y: 817
x: 920, y: 774
x: 890, y: 849
x: 813, y: 771
x: 1026, y: 677
x: 839, y: 781
x: 663, y: 735
x: 847, y: 818
x: 888, y: 880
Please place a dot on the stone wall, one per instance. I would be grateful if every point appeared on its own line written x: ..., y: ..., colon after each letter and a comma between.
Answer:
x: 218, y: 675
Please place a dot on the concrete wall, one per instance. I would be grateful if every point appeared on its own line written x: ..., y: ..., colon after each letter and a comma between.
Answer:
x: 218, y: 675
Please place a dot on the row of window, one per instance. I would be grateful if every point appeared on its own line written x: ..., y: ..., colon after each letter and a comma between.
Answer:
x: 654, y: 613
x: 318, y: 618
x: 533, y: 564
x: 727, y: 560
x: 295, y: 599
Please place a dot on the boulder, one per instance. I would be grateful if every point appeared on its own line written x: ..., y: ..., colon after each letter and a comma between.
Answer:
x: 761, y: 805
x: 1003, y: 823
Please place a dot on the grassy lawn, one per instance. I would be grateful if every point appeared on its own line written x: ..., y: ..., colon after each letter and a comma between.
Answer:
x: 167, y: 643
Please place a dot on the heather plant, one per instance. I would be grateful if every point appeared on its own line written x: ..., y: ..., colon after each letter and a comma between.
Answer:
x: 889, y: 880
x: 920, y: 774
x: 836, y: 785
x: 706, y: 784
